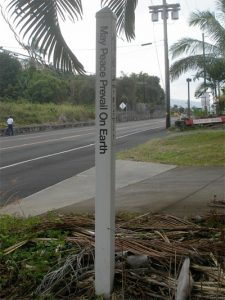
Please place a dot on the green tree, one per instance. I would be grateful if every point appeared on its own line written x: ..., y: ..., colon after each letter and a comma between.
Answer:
x: 81, y: 89
x: 126, y: 91
x: 210, y: 66
x: 39, y: 21
x: 10, y: 70
x: 87, y: 93
x: 44, y: 86
x: 148, y: 89
x: 139, y: 88
x: 221, y: 103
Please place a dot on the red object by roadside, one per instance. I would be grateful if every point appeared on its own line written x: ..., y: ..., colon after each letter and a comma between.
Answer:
x: 190, y: 122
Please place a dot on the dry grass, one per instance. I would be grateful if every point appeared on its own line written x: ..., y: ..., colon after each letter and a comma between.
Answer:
x: 163, y: 241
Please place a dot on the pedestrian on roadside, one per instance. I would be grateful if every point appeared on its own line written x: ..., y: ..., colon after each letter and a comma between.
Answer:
x: 10, y: 125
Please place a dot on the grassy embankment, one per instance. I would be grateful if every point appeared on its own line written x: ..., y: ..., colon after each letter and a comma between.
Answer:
x: 27, y: 113
x: 194, y: 148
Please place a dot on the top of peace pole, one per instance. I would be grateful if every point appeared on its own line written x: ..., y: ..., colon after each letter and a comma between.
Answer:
x: 105, y: 11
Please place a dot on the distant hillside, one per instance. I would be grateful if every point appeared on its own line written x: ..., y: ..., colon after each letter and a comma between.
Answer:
x: 183, y: 103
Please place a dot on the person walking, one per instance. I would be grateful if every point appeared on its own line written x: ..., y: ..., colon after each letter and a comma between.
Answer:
x: 10, y: 125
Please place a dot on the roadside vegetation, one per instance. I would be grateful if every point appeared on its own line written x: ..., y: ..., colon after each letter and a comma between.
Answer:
x: 27, y: 113
x: 37, y: 94
x: 192, y: 148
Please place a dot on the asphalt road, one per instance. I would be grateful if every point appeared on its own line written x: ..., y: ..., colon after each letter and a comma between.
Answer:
x: 30, y: 163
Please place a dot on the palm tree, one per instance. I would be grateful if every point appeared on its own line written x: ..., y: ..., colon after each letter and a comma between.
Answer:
x: 38, y: 20
x: 125, y: 12
x: 210, y: 64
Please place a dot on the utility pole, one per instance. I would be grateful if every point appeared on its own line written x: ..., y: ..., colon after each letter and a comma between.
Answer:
x: 164, y: 9
x: 204, y: 66
x: 189, y: 106
x: 166, y: 59
x: 204, y: 71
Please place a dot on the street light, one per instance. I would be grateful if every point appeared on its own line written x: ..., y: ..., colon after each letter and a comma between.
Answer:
x: 164, y: 9
x: 146, y: 44
x: 189, y: 109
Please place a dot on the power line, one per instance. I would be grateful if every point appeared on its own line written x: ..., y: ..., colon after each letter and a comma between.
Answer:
x: 11, y: 47
x: 13, y: 53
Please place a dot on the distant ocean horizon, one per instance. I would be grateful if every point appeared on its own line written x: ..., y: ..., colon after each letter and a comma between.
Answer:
x: 183, y: 103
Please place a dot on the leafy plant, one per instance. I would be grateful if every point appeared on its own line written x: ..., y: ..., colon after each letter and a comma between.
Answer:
x: 27, y: 253
x: 10, y: 71
x: 27, y: 113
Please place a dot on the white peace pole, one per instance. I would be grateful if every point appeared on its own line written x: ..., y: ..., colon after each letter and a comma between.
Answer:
x: 104, y: 151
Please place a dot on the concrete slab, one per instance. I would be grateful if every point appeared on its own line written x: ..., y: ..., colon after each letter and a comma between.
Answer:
x: 182, y: 191
x: 81, y: 187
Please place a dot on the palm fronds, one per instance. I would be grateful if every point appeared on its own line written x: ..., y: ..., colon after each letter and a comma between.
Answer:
x: 208, y: 23
x: 37, y: 20
x: 206, y: 59
x: 193, y: 62
x: 191, y: 46
x: 150, y: 252
x: 125, y: 12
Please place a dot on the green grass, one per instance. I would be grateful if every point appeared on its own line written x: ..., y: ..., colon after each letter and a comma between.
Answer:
x: 23, y: 268
x: 27, y: 113
x: 201, y: 148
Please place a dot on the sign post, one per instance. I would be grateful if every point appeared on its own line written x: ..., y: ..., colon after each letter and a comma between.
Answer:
x: 104, y: 151
x: 205, y: 101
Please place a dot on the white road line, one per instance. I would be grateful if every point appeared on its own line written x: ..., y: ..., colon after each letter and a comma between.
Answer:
x: 122, y: 136
x: 45, y: 156
x: 70, y: 150
x: 58, y: 139
x: 44, y: 142
x: 28, y: 136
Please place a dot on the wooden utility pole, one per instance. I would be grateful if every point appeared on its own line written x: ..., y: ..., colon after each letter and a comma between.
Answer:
x: 164, y: 9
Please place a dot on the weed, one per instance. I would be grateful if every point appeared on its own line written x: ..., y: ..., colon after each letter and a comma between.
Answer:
x: 27, y: 113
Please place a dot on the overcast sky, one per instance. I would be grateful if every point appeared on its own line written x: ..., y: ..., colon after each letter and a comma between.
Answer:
x: 131, y: 57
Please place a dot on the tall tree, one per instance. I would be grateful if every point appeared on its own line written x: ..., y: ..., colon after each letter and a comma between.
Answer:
x: 125, y: 12
x: 126, y: 91
x: 139, y: 88
x: 206, y: 59
x: 10, y: 69
x: 38, y: 20
x: 149, y: 89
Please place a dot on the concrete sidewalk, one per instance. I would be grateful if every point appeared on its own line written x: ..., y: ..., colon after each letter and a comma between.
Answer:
x: 140, y: 187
